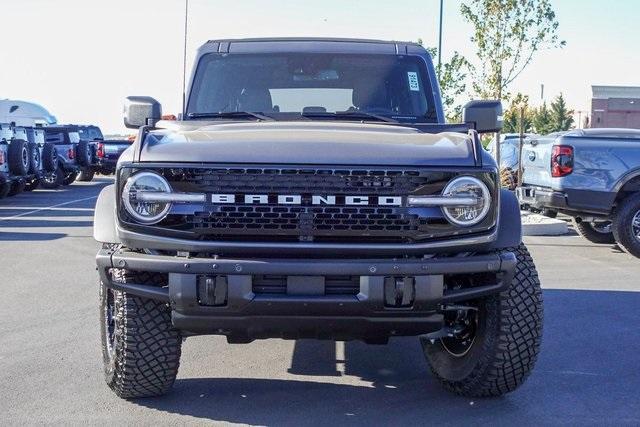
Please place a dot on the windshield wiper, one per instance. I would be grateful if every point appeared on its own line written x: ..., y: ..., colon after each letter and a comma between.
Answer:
x: 349, y: 115
x: 231, y: 115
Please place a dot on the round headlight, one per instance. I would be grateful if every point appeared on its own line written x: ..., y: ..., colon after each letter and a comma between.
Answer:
x: 139, y: 207
x: 467, y: 215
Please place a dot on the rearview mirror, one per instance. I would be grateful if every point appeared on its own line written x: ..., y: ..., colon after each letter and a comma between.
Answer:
x: 485, y: 116
x: 141, y: 111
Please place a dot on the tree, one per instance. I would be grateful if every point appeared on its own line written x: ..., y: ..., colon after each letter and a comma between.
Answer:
x: 507, y: 34
x: 452, y: 76
x: 542, y: 123
x: 561, y: 117
x: 512, y: 117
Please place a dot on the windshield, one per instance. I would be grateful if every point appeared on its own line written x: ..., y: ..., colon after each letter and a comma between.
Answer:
x: 291, y: 84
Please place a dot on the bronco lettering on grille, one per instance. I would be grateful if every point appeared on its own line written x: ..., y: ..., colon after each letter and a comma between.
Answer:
x: 298, y: 199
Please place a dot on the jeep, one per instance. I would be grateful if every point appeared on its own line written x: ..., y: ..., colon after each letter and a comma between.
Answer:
x: 312, y: 189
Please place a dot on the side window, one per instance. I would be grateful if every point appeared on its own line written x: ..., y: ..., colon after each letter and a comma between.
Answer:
x: 56, y: 138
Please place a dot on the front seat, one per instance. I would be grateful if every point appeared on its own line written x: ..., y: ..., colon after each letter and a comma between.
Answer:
x: 255, y: 100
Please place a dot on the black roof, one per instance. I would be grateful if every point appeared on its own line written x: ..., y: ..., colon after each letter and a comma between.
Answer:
x: 311, y: 44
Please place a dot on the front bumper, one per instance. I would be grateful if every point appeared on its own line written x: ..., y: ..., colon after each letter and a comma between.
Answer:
x: 248, y: 314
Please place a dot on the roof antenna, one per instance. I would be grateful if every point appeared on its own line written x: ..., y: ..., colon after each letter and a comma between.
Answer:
x: 184, y: 58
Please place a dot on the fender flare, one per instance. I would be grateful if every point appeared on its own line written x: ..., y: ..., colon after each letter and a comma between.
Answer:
x: 104, y: 219
x: 625, y: 179
x: 510, y: 224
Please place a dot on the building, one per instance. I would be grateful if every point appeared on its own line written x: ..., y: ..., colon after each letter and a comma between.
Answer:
x: 615, y: 107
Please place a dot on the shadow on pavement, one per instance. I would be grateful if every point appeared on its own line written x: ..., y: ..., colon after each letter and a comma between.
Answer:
x: 25, y: 222
x: 587, y: 373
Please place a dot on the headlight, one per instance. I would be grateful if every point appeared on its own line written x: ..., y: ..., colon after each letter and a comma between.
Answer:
x: 470, y: 187
x: 138, y: 197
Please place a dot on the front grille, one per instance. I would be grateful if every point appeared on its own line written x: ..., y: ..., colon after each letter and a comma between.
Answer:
x: 333, y: 285
x: 269, y: 220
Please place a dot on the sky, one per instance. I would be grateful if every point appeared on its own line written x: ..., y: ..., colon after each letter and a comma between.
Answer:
x: 81, y: 58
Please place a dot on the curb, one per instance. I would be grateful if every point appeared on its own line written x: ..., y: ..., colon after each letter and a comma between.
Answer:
x: 539, y: 225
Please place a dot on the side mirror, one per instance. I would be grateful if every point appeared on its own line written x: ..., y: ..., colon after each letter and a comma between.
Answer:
x: 141, y: 111
x: 484, y: 116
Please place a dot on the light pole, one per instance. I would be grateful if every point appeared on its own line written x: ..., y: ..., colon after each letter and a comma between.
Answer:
x: 440, y: 39
x: 184, y: 56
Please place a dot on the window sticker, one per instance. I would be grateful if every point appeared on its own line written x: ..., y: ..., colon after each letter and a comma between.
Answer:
x: 413, y: 81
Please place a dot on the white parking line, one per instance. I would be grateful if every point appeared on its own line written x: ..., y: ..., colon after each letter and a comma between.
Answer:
x: 47, y: 208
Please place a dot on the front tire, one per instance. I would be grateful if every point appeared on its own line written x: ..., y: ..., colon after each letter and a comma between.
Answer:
x: 140, y: 347
x: 86, y: 174
x: 626, y: 225
x: 497, y: 352
x: 600, y: 233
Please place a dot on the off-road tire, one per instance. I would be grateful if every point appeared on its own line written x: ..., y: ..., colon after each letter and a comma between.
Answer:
x: 143, y: 357
x: 69, y: 178
x: 83, y: 152
x: 33, y: 184
x: 86, y: 174
x: 586, y: 230
x: 57, y: 178
x: 35, y: 160
x: 49, y: 157
x: 5, y: 185
x: 19, y: 157
x: 622, y: 225
x: 507, y: 341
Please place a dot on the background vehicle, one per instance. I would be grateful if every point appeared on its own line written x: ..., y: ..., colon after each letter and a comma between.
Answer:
x: 66, y: 140
x: 314, y: 191
x: 592, y: 175
x: 23, y: 113
x: 90, y: 135
x: 15, y: 161
x: 509, y: 157
x: 108, y: 152
x: 44, y: 157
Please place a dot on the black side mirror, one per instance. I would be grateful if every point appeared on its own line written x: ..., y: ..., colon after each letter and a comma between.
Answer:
x: 485, y: 116
x: 141, y: 111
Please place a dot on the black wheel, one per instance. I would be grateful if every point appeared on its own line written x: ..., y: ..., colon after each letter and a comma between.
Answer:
x: 5, y: 185
x: 19, y: 157
x: 550, y: 213
x: 32, y: 185
x: 17, y: 187
x: 626, y: 225
x: 49, y: 157
x: 595, y: 232
x: 53, y: 180
x: 140, y: 347
x: 497, y: 340
x: 69, y: 178
x: 86, y: 174
x: 83, y: 151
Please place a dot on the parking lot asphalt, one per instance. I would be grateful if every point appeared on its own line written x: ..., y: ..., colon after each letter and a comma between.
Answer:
x: 50, y: 362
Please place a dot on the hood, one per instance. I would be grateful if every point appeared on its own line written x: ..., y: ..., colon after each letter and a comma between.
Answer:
x: 306, y: 143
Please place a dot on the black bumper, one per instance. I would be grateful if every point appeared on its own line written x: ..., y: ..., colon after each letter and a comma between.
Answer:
x: 248, y: 314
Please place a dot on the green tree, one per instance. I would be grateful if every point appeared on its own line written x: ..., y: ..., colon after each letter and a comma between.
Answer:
x: 452, y: 76
x: 542, y: 121
x: 512, y: 116
x: 507, y: 34
x: 561, y: 116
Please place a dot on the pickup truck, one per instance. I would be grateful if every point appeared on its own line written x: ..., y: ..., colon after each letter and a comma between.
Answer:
x: 312, y: 189
x: 592, y: 175
x: 108, y: 152
x: 71, y: 155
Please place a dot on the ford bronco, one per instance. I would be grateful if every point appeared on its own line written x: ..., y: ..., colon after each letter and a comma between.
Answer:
x: 312, y: 189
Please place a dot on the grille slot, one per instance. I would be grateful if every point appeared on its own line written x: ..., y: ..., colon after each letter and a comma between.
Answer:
x: 333, y: 285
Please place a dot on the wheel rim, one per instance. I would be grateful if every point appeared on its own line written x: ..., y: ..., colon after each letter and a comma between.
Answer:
x: 25, y: 157
x: 49, y: 178
x: 601, y: 227
x: 110, y: 322
x: 460, y: 344
x: 635, y: 226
